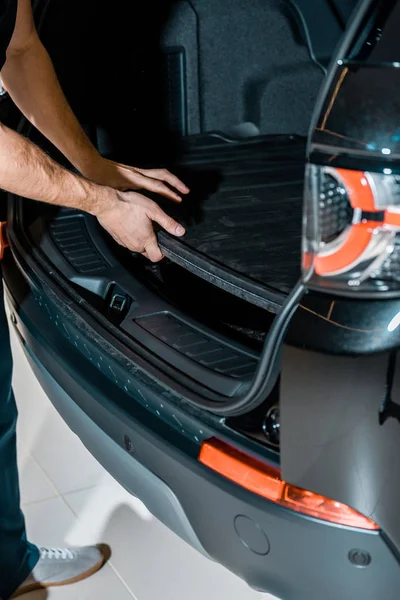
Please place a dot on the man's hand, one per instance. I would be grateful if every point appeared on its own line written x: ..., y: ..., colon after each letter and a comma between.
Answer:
x: 123, y: 177
x: 129, y: 219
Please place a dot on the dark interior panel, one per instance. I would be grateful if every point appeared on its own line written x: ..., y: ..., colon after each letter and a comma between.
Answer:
x: 141, y: 70
x: 253, y: 65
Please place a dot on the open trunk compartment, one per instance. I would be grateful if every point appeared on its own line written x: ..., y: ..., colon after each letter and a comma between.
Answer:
x: 221, y: 93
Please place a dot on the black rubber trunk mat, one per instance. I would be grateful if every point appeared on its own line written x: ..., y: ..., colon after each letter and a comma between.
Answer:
x: 244, y: 212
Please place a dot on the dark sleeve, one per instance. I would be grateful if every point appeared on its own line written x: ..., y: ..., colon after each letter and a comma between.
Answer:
x: 8, y: 15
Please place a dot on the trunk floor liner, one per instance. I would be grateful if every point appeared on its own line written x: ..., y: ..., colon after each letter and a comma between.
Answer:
x: 245, y: 208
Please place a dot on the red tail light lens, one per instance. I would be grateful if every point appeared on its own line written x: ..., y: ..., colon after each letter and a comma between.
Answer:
x: 265, y: 481
x: 351, y: 240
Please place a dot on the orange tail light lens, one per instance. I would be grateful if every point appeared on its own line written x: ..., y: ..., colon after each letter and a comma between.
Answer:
x: 3, y: 238
x: 265, y: 481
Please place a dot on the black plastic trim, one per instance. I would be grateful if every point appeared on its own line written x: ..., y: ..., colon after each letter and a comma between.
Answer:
x: 219, y: 275
x: 267, y: 371
x: 196, y: 373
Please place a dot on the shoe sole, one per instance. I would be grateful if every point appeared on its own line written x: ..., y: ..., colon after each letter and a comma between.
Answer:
x: 105, y: 555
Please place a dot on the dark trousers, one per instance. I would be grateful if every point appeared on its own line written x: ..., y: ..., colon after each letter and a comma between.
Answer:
x: 17, y: 555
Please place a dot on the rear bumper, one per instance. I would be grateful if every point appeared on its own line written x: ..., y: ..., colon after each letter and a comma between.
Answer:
x: 273, y: 549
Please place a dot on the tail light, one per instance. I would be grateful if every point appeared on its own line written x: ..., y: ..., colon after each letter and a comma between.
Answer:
x: 351, y: 235
x: 265, y: 480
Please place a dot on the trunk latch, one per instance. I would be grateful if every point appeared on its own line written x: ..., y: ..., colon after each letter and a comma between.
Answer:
x: 118, y: 303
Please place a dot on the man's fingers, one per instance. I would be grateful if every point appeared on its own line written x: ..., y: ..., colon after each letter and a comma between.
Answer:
x: 165, y: 175
x: 157, y: 186
x: 167, y: 223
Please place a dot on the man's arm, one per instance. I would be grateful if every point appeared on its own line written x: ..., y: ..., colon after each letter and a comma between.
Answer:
x: 31, y: 81
x: 27, y: 171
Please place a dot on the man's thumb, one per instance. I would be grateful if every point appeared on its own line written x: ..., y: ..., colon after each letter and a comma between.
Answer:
x: 168, y: 223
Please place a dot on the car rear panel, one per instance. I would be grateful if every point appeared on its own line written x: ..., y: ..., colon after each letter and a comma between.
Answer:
x: 274, y: 549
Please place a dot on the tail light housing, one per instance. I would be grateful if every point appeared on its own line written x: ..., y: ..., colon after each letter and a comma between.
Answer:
x: 351, y: 232
x: 264, y: 480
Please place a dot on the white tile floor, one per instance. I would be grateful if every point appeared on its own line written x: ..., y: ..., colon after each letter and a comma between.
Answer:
x: 68, y: 498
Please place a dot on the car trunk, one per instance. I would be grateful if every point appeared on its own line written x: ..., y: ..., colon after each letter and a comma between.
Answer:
x: 221, y: 93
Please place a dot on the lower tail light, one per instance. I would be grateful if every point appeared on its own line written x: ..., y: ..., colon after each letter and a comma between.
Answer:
x: 351, y: 233
x: 265, y: 480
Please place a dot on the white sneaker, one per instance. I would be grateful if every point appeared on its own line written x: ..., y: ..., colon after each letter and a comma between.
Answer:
x: 61, y: 566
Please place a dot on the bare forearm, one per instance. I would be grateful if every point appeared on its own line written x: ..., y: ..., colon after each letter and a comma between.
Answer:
x: 27, y: 171
x: 32, y: 83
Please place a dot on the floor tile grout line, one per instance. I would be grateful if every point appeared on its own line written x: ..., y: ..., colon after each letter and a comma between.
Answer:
x: 35, y: 502
x: 44, y: 472
x: 31, y: 454
x: 119, y: 576
x: 110, y: 563
x: 86, y: 488
x: 79, y: 489
x: 53, y: 484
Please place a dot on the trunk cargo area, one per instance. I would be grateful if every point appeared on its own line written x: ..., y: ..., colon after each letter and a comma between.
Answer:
x: 221, y: 93
x: 245, y: 211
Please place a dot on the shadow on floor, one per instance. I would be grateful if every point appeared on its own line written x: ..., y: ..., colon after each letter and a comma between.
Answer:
x: 37, y: 595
